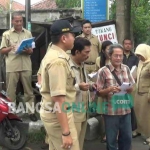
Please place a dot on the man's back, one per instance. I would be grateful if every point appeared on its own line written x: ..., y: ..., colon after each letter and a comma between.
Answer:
x: 57, y: 77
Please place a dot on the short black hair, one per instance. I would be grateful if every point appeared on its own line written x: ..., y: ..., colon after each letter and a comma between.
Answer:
x: 86, y: 21
x: 14, y: 14
x: 127, y: 39
x: 79, y: 44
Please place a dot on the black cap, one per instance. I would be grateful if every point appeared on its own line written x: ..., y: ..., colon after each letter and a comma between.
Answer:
x: 62, y: 26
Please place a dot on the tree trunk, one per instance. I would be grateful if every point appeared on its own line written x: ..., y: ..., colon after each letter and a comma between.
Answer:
x: 123, y: 18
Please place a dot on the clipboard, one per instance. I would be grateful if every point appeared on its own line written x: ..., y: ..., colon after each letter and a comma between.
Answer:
x: 25, y: 43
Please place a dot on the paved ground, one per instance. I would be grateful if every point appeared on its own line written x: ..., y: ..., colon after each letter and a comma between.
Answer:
x: 95, y: 145
x: 137, y: 143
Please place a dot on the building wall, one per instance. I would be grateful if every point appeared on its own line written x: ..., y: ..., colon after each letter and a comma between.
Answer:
x: 4, y: 22
x: 42, y: 15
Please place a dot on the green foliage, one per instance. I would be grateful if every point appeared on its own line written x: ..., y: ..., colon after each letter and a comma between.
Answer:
x: 36, y: 136
x: 112, y: 11
x: 140, y: 20
x: 68, y: 3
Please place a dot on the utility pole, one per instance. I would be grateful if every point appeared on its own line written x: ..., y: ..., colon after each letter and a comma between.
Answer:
x: 10, y: 12
x: 123, y: 19
x: 28, y: 14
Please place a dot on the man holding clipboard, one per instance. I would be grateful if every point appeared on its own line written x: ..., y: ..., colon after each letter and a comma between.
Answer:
x: 18, y: 66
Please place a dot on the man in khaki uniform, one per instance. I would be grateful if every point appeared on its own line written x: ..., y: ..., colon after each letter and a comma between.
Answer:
x: 46, y: 144
x: 57, y: 89
x: 18, y: 66
x: 79, y: 54
x: 95, y: 47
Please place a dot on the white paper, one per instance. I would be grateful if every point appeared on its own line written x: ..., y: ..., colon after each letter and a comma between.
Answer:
x: 92, y: 75
x: 124, y: 87
x: 134, y: 71
x: 38, y: 85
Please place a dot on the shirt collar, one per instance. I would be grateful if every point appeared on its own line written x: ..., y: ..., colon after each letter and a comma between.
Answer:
x: 83, y: 35
x: 13, y: 29
x: 112, y: 67
x: 131, y: 53
x: 73, y: 64
x: 61, y: 51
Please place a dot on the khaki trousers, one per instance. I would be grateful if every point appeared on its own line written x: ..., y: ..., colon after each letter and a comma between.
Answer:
x: 81, y: 130
x: 46, y: 138
x: 47, y: 142
x: 54, y: 131
x: 12, y: 79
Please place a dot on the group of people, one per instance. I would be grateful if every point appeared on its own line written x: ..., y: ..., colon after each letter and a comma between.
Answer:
x: 66, y: 88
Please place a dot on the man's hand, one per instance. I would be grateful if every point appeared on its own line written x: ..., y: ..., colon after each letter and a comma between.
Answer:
x: 94, y: 86
x: 114, y: 89
x: 28, y: 50
x: 129, y: 90
x: 84, y: 86
x: 67, y: 142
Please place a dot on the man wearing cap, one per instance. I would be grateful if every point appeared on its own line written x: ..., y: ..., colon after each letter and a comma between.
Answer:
x: 95, y: 47
x: 58, y: 90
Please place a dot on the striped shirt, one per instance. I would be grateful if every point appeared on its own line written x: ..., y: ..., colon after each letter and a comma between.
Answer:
x: 106, y: 79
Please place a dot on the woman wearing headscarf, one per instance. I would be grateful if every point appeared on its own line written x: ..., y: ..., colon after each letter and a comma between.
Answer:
x: 142, y: 96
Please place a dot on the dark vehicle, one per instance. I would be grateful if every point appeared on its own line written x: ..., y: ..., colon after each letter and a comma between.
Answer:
x: 12, y: 129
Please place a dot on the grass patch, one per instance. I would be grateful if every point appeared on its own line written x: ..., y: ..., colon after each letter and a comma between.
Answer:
x: 36, y: 136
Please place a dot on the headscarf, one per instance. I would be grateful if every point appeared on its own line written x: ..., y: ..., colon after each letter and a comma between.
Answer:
x: 143, y: 50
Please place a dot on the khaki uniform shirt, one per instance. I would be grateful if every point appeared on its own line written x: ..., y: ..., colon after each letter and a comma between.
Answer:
x: 57, y: 78
x: 81, y: 104
x: 95, y: 48
x: 39, y: 71
x: 16, y: 62
x: 143, y: 80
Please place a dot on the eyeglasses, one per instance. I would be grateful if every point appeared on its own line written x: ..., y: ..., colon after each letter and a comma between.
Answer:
x: 116, y: 56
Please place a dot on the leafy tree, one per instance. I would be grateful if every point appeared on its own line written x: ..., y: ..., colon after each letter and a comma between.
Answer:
x: 68, y: 3
x: 112, y: 11
x: 140, y: 20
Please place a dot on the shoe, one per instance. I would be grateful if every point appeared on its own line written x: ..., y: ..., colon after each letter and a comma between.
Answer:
x: 33, y: 117
x: 136, y: 135
x: 45, y: 146
x: 145, y: 142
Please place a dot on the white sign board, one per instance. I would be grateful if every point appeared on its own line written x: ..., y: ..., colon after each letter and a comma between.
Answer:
x: 106, y: 33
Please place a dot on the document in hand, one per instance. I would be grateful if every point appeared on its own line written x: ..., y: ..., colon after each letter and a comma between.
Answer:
x: 124, y: 87
x: 134, y: 72
x: 25, y: 43
x: 92, y: 75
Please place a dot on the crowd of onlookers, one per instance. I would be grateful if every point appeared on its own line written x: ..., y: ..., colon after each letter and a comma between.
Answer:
x: 64, y: 78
